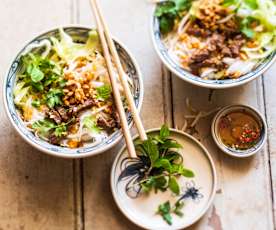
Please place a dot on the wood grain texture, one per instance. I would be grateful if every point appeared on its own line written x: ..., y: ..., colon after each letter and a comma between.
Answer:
x: 270, y: 107
x: 42, y: 192
x: 129, y: 22
x: 243, y: 199
x: 36, y: 190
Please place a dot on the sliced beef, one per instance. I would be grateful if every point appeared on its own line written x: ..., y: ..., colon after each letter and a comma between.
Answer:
x: 63, y: 112
x: 53, y: 114
x: 236, y: 44
x: 74, y: 110
x: 53, y: 139
x: 106, y: 124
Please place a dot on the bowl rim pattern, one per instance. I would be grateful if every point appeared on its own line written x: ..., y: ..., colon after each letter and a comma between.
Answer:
x: 195, y: 80
x: 59, y: 151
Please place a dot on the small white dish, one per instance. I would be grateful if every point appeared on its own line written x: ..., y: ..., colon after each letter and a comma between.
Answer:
x: 236, y: 152
x: 142, y: 210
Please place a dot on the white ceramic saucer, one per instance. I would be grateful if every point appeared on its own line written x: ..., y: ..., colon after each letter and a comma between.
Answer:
x: 142, y: 210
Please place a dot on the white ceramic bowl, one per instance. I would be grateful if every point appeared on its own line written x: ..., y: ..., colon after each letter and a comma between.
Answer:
x: 235, y: 152
x: 80, y: 33
x: 189, y: 77
x: 142, y: 209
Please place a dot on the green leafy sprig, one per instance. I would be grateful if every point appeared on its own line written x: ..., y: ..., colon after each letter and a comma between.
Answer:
x: 165, y: 163
x: 167, y: 12
x: 45, y: 78
x: 45, y: 127
x: 166, y: 210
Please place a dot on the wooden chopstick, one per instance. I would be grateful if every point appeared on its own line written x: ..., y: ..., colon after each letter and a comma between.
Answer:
x: 129, y: 97
x: 114, y: 84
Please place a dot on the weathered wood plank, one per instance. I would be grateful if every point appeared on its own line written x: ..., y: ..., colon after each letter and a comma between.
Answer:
x: 243, y: 198
x: 129, y: 22
x: 36, y: 189
x: 270, y: 107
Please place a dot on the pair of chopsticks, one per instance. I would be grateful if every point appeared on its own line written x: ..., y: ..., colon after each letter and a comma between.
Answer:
x: 108, y: 46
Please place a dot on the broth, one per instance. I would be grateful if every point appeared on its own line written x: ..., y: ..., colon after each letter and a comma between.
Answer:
x: 239, y: 130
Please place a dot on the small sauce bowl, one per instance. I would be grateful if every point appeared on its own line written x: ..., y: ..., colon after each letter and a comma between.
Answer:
x: 247, y: 111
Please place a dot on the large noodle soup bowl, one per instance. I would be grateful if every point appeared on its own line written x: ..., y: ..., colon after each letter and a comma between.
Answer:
x: 185, y: 75
x: 80, y: 34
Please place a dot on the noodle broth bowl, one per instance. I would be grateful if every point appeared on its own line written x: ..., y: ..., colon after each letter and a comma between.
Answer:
x: 58, y: 97
x: 169, y: 60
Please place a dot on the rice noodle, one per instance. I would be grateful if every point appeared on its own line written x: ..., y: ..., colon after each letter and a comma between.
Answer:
x: 43, y: 43
x: 181, y: 26
x: 227, y: 18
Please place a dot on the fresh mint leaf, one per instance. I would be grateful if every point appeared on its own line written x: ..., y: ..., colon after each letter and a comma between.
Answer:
x: 165, y: 211
x: 36, y: 74
x: 251, y: 3
x: 151, y: 149
x: 179, y: 169
x: 164, y: 163
x: 160, y: 183
x: 178, y: 207
x: 173, y: 185
x: 164, y: 132
x: 168, y: 144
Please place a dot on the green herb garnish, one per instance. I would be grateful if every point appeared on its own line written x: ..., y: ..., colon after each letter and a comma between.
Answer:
x: 104, y: 92
x: 165, y: 163
x: 167, y: 12
x: 45, y: 127
x: 166, y: 211
x: 89, y: 122
x: 245, y: 27
x: 45, y: 77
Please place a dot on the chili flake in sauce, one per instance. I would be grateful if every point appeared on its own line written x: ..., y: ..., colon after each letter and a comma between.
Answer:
x: 239, y: 130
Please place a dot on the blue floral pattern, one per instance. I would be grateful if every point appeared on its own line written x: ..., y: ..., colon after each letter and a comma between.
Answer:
x: 79, y: 34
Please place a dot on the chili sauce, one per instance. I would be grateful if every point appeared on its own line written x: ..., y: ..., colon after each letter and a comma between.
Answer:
x: 239, y: 130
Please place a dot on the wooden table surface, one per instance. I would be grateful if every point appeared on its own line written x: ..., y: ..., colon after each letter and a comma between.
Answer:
x: 38, y: 191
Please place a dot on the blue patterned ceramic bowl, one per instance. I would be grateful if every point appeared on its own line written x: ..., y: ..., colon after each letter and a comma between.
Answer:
x: 189, y: 77
x: 79, y: 33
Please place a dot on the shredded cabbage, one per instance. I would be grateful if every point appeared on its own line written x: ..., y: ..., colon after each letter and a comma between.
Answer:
x: 69, y: 50
x: 20, y: 93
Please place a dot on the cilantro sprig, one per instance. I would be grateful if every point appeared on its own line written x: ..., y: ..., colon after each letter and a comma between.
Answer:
x: 45, y: 127
x: 44, y: 76
x: 167, y: 12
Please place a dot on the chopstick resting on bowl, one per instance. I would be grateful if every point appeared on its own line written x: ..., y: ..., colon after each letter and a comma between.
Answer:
x: 107, y: 43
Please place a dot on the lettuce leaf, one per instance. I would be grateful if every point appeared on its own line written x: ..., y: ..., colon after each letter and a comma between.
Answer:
x: 69, y: 50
